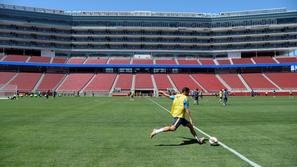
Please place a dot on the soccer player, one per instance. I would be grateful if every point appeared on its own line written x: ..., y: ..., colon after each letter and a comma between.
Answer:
x: 221, y: 96
x: 179, y: 108
x: 196, y: 96
x: 225, y: 97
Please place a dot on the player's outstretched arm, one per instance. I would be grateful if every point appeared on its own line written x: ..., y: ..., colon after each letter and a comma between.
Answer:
x: 164, y: 94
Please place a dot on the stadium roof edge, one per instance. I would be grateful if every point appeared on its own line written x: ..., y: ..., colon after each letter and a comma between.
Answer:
x: 145, y: 13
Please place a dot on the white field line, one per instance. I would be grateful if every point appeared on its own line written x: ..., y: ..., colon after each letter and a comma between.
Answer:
x: 252, y: 163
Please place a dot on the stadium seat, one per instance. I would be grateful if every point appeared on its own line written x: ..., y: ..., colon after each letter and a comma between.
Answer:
x: 5, y: 77
x: 142, y: 61
x: 92, y: 60
x: 25, y: 81
x: 124, y: 82
x: 242, y: 61
x: 16, y: 58
x: 50, y: 82
x: 187, y: 61
x: 286, y: 59
x: 257, y: 81
x: 263, y: 60
x: 119, y: 61
x: 233, y: 81
x: 59, y: 60
x: 286, y: 80
x: 209, y: 81
x: 38, y: 59
x: 162, y: 81
x: 76, y: 60
x: 182, y: 80
x: 206, y: 61
x: 143, y: 81
x: 74, y: 82
x: 165, y: 61
x: 223, y: 61
x: 101, y: 83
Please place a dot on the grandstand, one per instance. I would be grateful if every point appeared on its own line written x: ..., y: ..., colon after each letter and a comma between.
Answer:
x: 51, y: 50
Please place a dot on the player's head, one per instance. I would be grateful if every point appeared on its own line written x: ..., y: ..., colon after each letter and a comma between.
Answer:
x: 186, y: 91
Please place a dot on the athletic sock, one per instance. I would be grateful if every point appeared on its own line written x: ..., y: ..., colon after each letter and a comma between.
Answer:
x: 159, y: 130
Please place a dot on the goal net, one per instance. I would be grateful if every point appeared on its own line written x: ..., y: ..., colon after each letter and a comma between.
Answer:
x: 7, y: 91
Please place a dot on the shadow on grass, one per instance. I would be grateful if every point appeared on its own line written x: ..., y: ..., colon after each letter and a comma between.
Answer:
x: 186, y: 141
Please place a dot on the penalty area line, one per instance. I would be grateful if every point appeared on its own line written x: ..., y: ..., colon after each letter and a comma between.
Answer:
x: 242, y: 157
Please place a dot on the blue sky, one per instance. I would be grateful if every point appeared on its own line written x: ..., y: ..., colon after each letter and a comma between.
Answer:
x: 208, y: 6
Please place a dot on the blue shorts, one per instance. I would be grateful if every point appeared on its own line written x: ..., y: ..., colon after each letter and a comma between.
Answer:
x: 178, y: 121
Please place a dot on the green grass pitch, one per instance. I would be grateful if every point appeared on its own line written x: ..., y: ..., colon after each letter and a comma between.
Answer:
x: 114, y: 131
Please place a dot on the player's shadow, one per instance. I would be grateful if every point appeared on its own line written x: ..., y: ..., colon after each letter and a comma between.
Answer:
x: 186, y: 141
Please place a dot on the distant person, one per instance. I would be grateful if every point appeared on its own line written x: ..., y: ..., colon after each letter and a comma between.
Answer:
x: 274, y: 93
x: 47, y: 94
x: 54, y: 94
x: 252, y: 93
x: 196, y: 96
x: 266, y: 93
x: 225, y: 96
x: 131, y: 94
x: 221, y: 96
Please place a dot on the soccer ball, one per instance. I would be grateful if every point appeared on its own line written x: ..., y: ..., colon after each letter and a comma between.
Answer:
x: 213, y: 141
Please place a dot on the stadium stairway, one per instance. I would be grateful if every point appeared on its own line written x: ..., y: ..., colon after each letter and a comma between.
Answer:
x: 199, y: 85
x: 87, y: 84
x: 172, y: 83
x: 287, y: 81
x: 114, y: 84
x: 258, y: 82
x: 155, y: 85
x: 50, y: 82
x: 2, y: 57
x: 100, y: 84
x: 133, y: 82
x: 6, y: 78
x: 39, y: 82
x: 245, y: 84
x: 233, y: 81
x: 25, y: 81
x: 223, y: 82
x: 279, y: 88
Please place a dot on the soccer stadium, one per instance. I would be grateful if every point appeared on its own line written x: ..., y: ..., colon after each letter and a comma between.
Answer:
x: 87, y: 88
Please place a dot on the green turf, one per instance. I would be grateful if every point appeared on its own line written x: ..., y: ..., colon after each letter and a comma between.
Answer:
x: 104, y: 131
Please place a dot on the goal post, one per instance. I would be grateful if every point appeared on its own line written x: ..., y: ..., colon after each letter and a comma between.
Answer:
x: 7, y: 91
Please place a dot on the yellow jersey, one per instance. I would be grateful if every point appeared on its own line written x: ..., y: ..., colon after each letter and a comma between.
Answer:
x: 179, y: 105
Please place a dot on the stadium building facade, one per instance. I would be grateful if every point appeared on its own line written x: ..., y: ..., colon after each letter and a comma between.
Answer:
x: 70, y: 33
x: 115, y: 53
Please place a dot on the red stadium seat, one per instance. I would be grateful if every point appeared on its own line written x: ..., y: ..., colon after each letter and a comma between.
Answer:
x: 101, y: 83
x: 143, y: 81
x: 124, y: 82
x: 284, y: 80
x: 209, y: 81
x: 50, y: 82
x: 162, y: 81
x: 74, y: 82
x: 233, y: 81
x: 257, y: 81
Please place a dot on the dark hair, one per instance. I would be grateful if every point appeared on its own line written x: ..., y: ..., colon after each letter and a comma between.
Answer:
x: 185, y: 89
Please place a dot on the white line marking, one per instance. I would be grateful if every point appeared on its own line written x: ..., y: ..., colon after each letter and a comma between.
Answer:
x: 254, y: 164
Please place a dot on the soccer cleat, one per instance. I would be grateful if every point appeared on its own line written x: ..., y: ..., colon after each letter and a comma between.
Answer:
x: 153, y: 133
x: 201, y: 140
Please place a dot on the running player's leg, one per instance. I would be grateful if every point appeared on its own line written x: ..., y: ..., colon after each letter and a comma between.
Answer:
x: 193, y: 132
x: 170, y: 128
